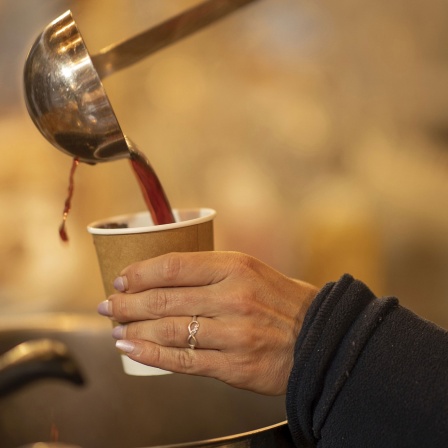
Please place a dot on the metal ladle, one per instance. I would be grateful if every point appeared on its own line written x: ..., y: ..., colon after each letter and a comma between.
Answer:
x: 63, y: 90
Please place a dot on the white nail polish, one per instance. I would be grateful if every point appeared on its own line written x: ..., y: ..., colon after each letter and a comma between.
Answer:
x: 125, y: 346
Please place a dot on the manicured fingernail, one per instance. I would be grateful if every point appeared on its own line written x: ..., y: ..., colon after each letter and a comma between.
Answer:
x: 105, y: 308
x: 121, y: 284
x: 118, y: 332
x: 125, y: 346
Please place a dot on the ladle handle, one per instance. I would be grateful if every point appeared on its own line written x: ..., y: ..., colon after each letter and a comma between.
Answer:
x: 124, y: 54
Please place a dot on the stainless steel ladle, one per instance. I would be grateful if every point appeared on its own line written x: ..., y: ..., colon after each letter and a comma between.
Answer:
x: 63, y: 90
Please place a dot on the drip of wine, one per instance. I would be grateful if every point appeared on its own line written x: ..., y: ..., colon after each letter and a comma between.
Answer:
x: 152, y: 190
x: 54, y: 433
x: 68, y: 201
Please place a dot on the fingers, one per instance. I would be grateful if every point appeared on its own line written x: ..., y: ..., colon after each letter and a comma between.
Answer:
x: 160, y: 302
x: 174, y: 269
x: 211, y: 334
x: 262, y: 374
x: 180, y: 360
x: 174, y: 332
x: 207, y: 301
x: 207, y: 284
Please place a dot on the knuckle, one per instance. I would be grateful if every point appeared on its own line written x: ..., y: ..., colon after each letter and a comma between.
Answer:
x: 242, y: 300
x: 185, y: 360
x: 136, y: 274
x: 154, y: 353
x: 121, y: 309
x: 245, y: 307
x: 158, y: 302
x: 135, y: 332
x: 246, y: 337
x: 242, y: 263
x: 171, y: 267
x: 168, y: 331
x: 248, y: 340
x: 233, y: 370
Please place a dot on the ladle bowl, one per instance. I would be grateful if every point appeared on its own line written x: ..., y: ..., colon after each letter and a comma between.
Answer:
x: 66, y: 98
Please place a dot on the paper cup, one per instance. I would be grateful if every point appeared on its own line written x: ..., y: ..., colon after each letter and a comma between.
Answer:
x: 122, y: 240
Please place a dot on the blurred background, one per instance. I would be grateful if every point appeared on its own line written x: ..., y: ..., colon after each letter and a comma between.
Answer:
x: 317, y: 130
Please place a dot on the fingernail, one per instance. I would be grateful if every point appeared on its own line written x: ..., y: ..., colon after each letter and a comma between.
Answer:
x: 118, y: 332
x: 105, y: 308
x: 125, y: 346
x: 121, y: 284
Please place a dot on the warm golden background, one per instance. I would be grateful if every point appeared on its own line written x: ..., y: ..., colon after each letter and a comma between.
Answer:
x: 317, y: 130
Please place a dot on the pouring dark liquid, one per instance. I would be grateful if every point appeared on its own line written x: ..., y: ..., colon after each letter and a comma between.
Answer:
x: 152, y: 190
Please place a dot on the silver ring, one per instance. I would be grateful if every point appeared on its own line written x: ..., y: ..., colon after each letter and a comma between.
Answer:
x: 193, y: 328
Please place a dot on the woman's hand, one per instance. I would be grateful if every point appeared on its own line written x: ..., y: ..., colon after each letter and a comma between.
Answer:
x: 249, y: 317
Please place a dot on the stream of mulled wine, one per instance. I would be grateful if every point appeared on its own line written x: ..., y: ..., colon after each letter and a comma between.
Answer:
x: 151, y: 188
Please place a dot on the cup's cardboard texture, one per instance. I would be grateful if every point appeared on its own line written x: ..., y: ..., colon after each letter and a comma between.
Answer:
x: 117, y: 248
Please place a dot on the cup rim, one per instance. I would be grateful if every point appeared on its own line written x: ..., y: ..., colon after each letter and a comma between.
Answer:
x: 204, y: 215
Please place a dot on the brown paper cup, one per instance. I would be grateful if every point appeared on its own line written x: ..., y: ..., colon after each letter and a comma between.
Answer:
x: 122, y: 240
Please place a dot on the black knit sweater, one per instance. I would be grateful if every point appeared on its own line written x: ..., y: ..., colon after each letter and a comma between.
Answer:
x: 367, y: 373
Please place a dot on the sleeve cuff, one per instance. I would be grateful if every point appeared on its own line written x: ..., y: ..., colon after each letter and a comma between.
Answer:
x: 335, y: 330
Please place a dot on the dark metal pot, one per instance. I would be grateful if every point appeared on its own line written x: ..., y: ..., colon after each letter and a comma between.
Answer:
x: 114, y: 410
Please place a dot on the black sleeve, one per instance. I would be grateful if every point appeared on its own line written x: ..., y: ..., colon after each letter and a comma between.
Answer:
x: 367, y: 373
